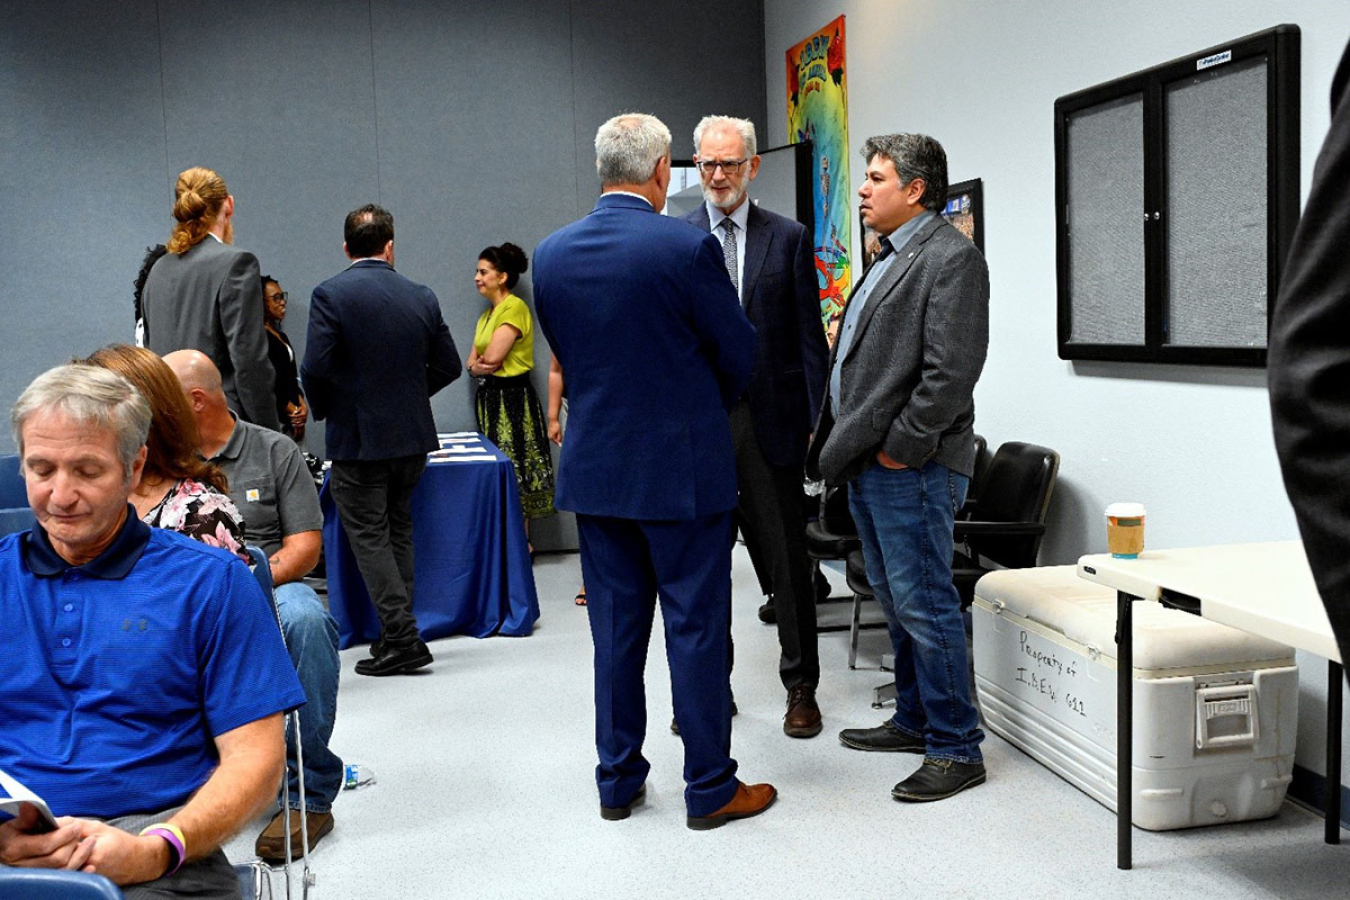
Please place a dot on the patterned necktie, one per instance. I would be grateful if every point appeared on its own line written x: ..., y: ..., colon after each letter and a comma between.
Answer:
x: 729, y: 252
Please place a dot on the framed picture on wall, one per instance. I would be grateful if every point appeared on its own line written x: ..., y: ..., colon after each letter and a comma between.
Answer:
x: 965, y: 209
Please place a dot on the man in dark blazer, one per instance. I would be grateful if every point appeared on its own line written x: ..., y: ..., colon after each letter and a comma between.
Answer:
x: 642, y: 317
x: 1310, y: 367
x: 898, y: 427
x: 206, y: 294
x: 377, y: 350
x: 769, y: 259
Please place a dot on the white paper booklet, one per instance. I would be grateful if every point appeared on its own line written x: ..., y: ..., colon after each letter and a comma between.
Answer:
x: 13, y: 794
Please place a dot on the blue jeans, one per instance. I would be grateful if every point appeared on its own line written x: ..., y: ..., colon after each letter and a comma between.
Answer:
x: 905, y: 519
x: 312, y: 640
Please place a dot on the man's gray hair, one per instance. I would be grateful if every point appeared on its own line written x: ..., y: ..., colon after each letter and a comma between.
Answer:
x: 914, y: 156
x: 88, y: 395
x: 743, y: 127
x: 628, y: 147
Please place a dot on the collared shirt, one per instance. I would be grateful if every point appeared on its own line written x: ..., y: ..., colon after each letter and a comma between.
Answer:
x: 118, y: 673
x: 629, y: 194
x: 741, y: 216
x: 858, y: 301
x: 270, y: 485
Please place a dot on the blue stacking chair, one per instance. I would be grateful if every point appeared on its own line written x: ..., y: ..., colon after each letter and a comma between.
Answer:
x: 54, y: 884
x: 254, y: 876
x: 15, y: 514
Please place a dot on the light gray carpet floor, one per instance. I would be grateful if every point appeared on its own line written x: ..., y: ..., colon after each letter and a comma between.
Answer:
x: 485, y: 767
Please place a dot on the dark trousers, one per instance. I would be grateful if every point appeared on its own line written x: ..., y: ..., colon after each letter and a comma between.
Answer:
x: 374, y: 502
x: 770, y: 516
x: 628, y: 565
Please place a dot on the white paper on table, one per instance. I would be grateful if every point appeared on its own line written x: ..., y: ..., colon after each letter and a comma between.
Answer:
x: 18, y: 794
x: 481, y: 457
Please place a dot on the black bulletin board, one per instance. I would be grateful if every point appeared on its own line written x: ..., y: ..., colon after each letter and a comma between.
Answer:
x: 1176, y: 198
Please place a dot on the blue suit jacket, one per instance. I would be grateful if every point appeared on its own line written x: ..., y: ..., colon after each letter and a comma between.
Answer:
x: 654, y: 347
x: 377, y: 350
x: 782, y: 300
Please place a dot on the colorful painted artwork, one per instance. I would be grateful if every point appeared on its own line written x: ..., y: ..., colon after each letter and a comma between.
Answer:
x: 817, y: 111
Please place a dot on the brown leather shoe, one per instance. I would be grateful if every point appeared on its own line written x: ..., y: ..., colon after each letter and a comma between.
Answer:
x: 749, y: 800
x: 271, y: 845
x: 803, y: 715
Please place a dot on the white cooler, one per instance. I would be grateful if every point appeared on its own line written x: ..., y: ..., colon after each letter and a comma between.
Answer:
x: 1215, y: 708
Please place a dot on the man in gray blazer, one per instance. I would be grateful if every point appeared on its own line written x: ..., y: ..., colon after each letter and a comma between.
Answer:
x: 206, y: 294
x: 897, y: 426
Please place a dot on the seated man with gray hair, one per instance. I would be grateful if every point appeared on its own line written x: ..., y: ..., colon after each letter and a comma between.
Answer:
x: 144, y: 678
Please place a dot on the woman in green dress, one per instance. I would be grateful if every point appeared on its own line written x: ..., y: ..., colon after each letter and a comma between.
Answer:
x: 501, y: 359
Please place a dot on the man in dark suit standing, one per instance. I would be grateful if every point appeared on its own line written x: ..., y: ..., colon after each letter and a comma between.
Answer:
x: 205, y: 294
x: 769, y: 259
x: 377, y: 350
x: 640, y: 313
x: 1310, y: 367
x: 898, y: 427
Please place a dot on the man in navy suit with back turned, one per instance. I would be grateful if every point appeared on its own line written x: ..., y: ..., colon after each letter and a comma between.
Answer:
x: 640, y: 312
x: 377, y: 350
x: 770, y: 263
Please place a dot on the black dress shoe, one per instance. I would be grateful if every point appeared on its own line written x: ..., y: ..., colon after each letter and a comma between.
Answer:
x: 767, y: 614
x: 617, y: 813
x: 376, y: 646
x: 938, y: 779
x: 396, y: 660
x: 885, y: 738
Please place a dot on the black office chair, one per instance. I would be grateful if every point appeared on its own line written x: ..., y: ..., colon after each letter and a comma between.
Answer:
x: 832, y: 536
x: 1000, y: 526
x: 1007, y: 522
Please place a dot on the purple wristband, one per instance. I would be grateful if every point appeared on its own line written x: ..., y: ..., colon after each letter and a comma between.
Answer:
x: 176, y: 848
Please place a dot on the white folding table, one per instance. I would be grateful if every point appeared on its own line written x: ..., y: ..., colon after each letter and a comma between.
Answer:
x: 1265, y: 589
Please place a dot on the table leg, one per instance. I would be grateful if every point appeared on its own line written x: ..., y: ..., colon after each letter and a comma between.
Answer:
x: 1124, y: 727
x: 1335, y: 686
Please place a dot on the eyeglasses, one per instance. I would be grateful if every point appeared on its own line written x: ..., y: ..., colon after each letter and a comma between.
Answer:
x: 282, y: 297
x: 730, y: 166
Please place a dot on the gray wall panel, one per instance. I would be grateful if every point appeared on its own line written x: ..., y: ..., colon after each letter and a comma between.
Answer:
x: 473, y: 123
x: 287, y: 117
x: 676, y: 61
x: 463, y: 167
x: 81, y: 148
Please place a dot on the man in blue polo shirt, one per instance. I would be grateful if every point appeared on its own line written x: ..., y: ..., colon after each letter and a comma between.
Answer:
x: 144, y: 677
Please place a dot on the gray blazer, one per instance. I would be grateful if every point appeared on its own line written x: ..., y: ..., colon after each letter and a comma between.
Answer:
x: 210, y: 299
x: 907, y: 382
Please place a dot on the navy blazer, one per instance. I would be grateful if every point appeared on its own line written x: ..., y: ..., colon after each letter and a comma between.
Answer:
x: 781, y: 296
x: 377, y: 350
x: 655, y: 348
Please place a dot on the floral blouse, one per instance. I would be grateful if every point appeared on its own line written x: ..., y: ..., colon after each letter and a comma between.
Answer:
x: 202, y: 513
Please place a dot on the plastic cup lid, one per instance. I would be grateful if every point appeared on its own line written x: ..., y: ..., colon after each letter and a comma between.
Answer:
x: 1126, y: 510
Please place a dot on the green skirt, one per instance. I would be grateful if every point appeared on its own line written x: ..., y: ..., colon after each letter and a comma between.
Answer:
x: 510, y: 415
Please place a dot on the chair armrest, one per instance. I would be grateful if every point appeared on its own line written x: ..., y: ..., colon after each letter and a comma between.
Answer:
x: 969, y: 528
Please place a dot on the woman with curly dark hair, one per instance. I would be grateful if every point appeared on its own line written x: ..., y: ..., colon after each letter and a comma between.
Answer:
x: 501, y: 358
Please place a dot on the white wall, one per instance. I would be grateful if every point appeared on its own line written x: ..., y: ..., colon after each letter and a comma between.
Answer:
x: 1192, y: 443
